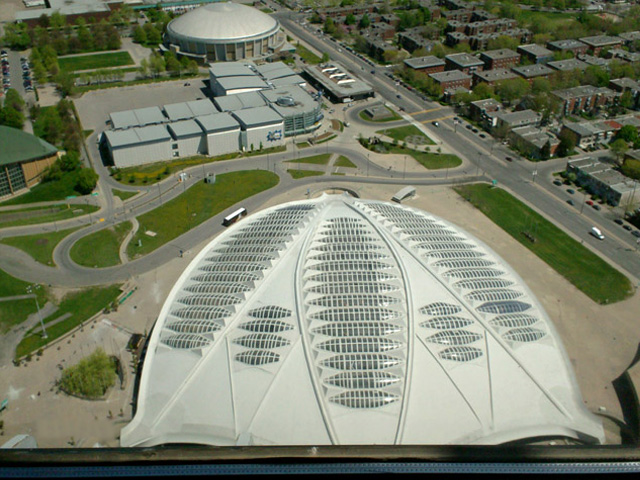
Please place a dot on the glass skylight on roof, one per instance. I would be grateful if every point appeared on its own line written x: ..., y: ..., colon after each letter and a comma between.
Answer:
x: 194, y: 326
x: 524, y: 334
x: 357, y: 329
x: 460, y: 354
x: 364, y: 398
x: 446, y: 323
x: 359, y: 345
x: 355, y: 300
x: 214, y: 299
x: 453, y: 254
x: 440, y: 308
x: 363, y: 380
x: 463, y: 263
x: 269, y: 311
x: 186, y: 341
x: 454, y: 337
x: 361, y: 361
x: 507, y: 306
x: 262, y: 341
x: 218, y: 287
x: 257, y: 357
x: 355, y: 314
x: 265, y: 326
x: 353, y: 287
x: 514, y: 320
x: 201, y: 312
x: 483, y: 284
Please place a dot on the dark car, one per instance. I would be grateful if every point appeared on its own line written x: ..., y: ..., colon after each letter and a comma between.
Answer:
x: 618, y: 221
x: 596, y: 206
x: 557, y: 182
x: 571, y: 191
x: 627, y: 228
x: 570, y: 202
x: 508, y: 159
x: 474, y: 130
x: 468, y: 126
x: 636, y: 233
x: 482, y: 135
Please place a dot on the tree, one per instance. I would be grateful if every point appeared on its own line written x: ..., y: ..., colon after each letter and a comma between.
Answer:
x: 329, y: 26
x: 11, y: 117
x: 173, y: 65
x: 66, y: 83
x: 628, y: 133
x: 70, y: 162
x: 364, y: 21
x: 482, y: 91
x: 192, y: 67
x: 567, y: 142
x: 510, y: 90
x: 631, y: 168
x: 325, y: 57
x: 13, y: 99
x: 57, y: 20
x: 503, y: 41
x: 156, y: 64
x: 596, y: 76
x: 626, y: 99
x: 86, y: 181
x: 139, y: 35
x: 619, y: 147
x: 145, y: 67
x: 154, y: 36
x: 540, y: 85
x: 16, y: 36
x: 350, y: 19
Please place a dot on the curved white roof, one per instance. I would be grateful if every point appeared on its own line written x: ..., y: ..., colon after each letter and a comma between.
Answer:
x: 221, y: 22
x: 347, y: 321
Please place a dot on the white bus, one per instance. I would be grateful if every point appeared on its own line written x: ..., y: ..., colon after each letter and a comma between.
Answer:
x: 234, y: 217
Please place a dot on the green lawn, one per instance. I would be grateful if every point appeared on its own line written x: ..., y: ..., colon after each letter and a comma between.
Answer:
x: 47, y: 191
x: 307, y: 55
x: 321, y: 159
x: 199, y: 203
x: 35, y: 215
x: 303, y: 145
x: 343, y: 161
x: 431, y: 161
x: 394, y: 116
x: 40, y: 247
x: 552, y: 19
x: 98, y: 60
x: 152, y: 173
x: 400, y: 133
x: 14, y: 312
x: 296, y: 174
x: 584, y: 269
x: 123, y: 194
x: 84, y: 251
x: 82, y: 305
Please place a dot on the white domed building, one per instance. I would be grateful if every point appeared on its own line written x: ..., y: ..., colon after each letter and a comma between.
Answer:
x: 224, y: 32
x: 341, y: 321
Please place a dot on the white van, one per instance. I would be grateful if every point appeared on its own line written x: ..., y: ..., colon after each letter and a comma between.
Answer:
x: 597, y: 233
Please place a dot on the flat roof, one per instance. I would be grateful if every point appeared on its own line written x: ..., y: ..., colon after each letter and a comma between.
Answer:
x: 231, y: 69
x: 464, y: 59
x: 600, y: 40
x: 495, y: 75
x: 569, y: 64
x: 275, y: 70
x: 218, y: 122
x: 238, y: 83
x: 424, y: 62
x: 257, y: 117
x: 300, y: 101
x: 581, y: 91
x: 536, y: 50
x: 137, y: 135
x: 240, y: 101
x: 521, y: 116
x: 294, y: 79
x: 529, y: 71
x: 185, y: 128
x: 501, y: 53
x: 202, y: 107
x: 450, y: 76
x: 137, y: 118
x: 568, y: 44
x: 337, y: 79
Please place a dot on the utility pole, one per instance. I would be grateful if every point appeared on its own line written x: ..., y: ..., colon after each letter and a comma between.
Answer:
x: 534, y: 174
x: 31, y: 289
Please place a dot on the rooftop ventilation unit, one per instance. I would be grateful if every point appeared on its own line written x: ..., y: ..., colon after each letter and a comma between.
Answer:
x: 286, y: 101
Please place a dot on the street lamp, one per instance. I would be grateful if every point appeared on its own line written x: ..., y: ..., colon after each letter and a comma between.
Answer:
x: 31, y: 290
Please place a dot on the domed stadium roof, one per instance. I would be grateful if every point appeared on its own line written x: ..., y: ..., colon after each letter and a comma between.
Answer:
x: 364, y: 322
x: 222, y: 21
x: 18, y: 146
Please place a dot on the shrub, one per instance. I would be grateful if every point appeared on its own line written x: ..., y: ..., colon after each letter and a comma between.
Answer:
x: 91, y: 377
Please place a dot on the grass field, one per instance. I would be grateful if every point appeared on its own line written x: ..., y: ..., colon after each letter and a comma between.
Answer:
x: 583, y: 268
x: 431, y: 161
x: 123, y: 195
x: 400, y: 133
x: 35, y: 215
x: 297, y: 174
x: 82, y: 305
x: 155, y: 172
x: 307, y: 55
x: 321, y: 159
x: 392, y: 118
x: 552, y: 19
x: 98, y: 60
x: 343, y: 161
x: 199, y: 203
x: 14, y: 312
x: 302, y: 145
x: 47, y: 191
x: 84, y: 251
x: 40, y: 247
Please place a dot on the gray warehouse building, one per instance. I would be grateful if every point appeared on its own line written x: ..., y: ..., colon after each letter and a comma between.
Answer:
x: 241, y: 77
x: 338, y: 84
x: 301, y: 113
x: 222, y: 133
x: 261, y: 126
x: 140, y: 145
x: 188, y: 139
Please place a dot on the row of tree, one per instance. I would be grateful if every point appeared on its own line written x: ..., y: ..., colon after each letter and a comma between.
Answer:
x: 157, y: 64
x: 12, y: 113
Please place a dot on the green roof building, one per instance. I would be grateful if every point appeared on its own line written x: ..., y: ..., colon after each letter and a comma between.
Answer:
x: 23, y: 159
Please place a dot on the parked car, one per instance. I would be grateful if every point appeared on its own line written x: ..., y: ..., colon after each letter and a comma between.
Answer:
x: 508, y: 159
x: 589, y: 202
x: 627, y: 228
x: 636, y: 233
x: 557, y: 182
x: 619, y: 222
x: 596, y: 206
x: 571, y: 191
x: 468, y: 127
x: 435, y: 124
x: 570, y: 202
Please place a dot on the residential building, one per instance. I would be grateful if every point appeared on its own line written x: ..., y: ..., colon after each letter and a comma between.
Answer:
x: 495, y: 25
x: 629, y: 37
x: 534, y: 143
x: 491, y: 77
x: 464, y: 62
x: 569, y: 45
x: 585, y: 98
x: 568, y: 65
x: 502, y: 58
x: 530, y: 72
x: 452, y: 80
x: 428, y: 64
x: 521, y: 118
x: 455, y: 38
x: 377, y: 47
x: 597, y: 43
x: 480, y: 108
x: 624, y: 55
x: 596, y: 61
x: 627, y: 84
x: 413, y: 39
x: 536, y: 53
x: 602, y: 180
x: 589, y: 135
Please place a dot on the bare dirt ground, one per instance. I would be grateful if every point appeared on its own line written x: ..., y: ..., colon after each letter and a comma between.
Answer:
x: 601, y: 341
